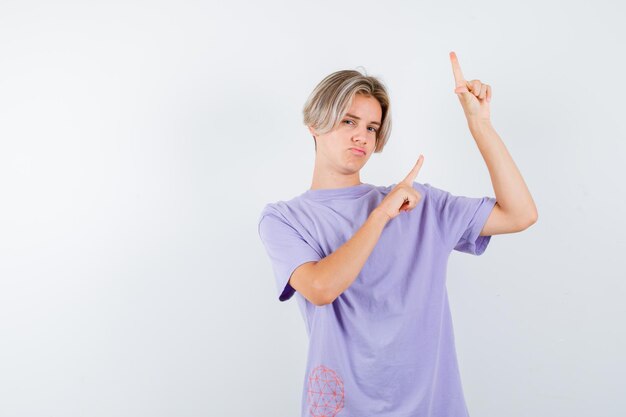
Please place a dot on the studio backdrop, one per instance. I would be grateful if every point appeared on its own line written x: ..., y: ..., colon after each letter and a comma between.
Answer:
x: 140, y: 140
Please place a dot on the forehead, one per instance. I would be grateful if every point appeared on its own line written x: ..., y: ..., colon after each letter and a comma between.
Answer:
x: 366, y: 107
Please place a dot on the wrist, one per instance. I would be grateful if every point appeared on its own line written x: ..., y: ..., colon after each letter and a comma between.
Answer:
x: 478, y: 122
x: 379, y: 215
x: 479, y: 126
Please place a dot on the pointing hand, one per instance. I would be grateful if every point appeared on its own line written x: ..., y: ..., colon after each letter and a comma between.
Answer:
x: 473, y: 95
x: 403, y: 197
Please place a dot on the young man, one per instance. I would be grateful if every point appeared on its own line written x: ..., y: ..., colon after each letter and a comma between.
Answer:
x: 368, y: 263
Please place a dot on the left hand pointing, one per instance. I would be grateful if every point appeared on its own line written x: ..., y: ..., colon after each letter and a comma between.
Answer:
x: 473, y: 95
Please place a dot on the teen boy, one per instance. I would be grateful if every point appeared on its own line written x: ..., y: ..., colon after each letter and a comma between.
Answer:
x: 368, y: 263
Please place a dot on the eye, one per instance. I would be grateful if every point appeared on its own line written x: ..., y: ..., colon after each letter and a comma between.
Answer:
x: 374, y: 130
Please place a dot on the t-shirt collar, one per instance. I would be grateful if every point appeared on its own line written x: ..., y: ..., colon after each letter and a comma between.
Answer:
x: 338, y: 193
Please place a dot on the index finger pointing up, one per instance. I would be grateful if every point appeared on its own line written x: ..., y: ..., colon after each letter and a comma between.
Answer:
x: 459, y: 80
x: 416, y: 169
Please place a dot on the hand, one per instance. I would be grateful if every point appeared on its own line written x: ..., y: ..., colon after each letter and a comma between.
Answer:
x: 403, y: 197
x: 473, y: 95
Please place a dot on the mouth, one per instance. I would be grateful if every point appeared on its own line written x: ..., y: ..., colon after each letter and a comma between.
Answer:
x: 357, y: 151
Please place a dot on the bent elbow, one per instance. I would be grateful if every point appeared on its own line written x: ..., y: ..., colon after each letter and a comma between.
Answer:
x: 322, y: 295
x: 529, y: 222
x: 534, y: 217
x: 325, y: 300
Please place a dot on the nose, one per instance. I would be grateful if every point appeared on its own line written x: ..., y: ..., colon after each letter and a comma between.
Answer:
x: 361, y: 136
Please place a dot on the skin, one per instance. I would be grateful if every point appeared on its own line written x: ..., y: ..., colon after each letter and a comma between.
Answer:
x: 323, y: 281
x: 515, y: 209
x: 336, y: 167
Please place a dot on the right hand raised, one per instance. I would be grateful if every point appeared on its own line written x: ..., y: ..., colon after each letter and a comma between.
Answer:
x: 403, y: 197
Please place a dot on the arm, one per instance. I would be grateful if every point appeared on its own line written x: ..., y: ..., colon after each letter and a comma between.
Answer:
x: 323, y: 281
x: 515, y: 209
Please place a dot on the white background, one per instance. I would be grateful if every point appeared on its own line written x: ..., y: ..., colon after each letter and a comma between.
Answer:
x: 139, y: 142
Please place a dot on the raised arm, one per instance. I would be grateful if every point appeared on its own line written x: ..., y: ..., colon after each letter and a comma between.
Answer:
x: 515, y: 209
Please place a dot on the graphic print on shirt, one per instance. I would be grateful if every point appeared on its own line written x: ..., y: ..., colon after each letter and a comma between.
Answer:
x: 325, y: 393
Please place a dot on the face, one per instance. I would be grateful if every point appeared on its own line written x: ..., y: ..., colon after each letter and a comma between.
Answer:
x: 337, y: 150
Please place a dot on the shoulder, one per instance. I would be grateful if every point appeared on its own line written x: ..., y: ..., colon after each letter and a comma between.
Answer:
x: 282, y: 205
x: 273, y: 219
x: 275, y: 209
x: 428, y: 190
x: 422, y: 188
x: 281, y: 209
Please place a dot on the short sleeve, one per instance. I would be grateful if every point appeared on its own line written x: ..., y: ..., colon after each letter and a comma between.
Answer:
x: 460, y: 219
x: 286, y: 248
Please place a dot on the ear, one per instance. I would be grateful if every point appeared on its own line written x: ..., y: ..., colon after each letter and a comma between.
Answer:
x: 312, y: 131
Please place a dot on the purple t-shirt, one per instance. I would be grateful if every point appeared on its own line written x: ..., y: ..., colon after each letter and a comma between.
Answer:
x: 385, y: 346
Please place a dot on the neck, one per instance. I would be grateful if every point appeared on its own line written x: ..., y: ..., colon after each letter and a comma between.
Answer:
x: 325, y: 179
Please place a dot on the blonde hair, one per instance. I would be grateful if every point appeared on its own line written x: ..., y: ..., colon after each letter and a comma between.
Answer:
x: 332, y: 97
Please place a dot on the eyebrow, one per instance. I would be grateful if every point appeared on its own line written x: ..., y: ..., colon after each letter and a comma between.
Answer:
x: 358, y: 118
